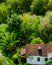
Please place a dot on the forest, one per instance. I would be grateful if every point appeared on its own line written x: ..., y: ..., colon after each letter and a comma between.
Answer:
x: 23, y: 22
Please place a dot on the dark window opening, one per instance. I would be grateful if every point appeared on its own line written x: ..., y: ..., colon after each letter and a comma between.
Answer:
x: 40, y: 52
x: 23, y: 60
x: 50, y: 58
x: 38, y: 59
x: 46, y: 59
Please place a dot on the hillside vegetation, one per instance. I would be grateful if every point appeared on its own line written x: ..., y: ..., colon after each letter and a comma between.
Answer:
x: 22, y: 22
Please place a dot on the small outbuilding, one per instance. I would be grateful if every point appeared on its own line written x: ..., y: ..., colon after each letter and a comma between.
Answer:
x: 37, y: 54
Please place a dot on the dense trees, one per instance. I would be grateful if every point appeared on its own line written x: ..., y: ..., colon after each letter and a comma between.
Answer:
x: 22, y: 22
x: 2, y: 1
x: 39, y: 7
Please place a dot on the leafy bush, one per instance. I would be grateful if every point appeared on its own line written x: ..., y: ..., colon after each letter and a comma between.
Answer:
x: 50, y: 42
x: 48, y: 63
x: 5, y: 61
x: 36, y: 41
x: 7, y: 41
x: 4, y: 36
x: 17, y: 57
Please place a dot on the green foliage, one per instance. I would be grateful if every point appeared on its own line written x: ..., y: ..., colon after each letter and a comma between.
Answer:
x: 49, y: 5
x: 29, y: 26
x: 5, y: 61
x: 20, y: 24
x: 48, y: 31
x: 14, y: 5
x: 3, y: 13
x: 26, y: 5
x: 39, y: 7
x: 2, y: 1
x: 48, y: 63
x: 50, y: 42
x: 49, y: 17
x: 4, y: 36
x: 7, y: 41
x: 46, y: 27
x: 50, y: 37
x: 10, y: 48
x: 14, y: 23
x: 17, y: 57
x: 36, y: 41
x: 19, y: 6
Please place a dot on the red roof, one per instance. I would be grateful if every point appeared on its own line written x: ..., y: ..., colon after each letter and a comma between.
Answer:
x: 32, y: 49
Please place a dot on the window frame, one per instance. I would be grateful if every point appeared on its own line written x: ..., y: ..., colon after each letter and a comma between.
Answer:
x: 38, y: 59
x: 46, y: 59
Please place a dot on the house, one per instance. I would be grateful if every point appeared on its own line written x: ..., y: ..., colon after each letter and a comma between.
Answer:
x: 37, y: 54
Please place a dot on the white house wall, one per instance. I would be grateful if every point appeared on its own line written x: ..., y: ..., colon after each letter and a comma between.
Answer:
x: 33, y: 60
x: 50, y: 55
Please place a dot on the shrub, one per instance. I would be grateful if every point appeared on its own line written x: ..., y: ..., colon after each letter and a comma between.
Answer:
x: 36, y: 41
x: 5, y: 61
x: 48, y: 63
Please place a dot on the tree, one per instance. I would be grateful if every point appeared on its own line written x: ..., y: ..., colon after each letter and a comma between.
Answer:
x: 39, y: 7
x: 26, y: 5
x: 2, y: 1
x: 3, y: 13
x: 7, y: 41
x: 49, y: 17
x: 45, y: 27
x: 49, y: 5
x: 14, y: 23
x: 29, y: 27
x: 15, y: 6
x: 19, y: 6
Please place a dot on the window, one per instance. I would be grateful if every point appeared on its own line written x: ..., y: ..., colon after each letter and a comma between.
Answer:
x: 50, y: 58
x: 38, y: 59
x: 46, y: 59
x: 40, y: 52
